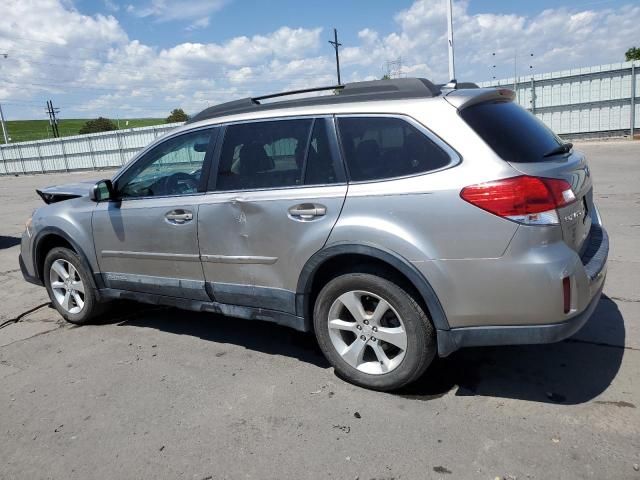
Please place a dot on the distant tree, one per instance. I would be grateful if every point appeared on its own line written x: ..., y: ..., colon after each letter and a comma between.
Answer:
x: 386, y: 77
x: 100, y: 124
x: 632, y: 54
x: 177, y: 115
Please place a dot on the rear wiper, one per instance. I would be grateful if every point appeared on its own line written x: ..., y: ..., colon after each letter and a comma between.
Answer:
x: 562, y: 148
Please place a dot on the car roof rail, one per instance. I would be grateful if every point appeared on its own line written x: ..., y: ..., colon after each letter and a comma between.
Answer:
x: 387, y: 89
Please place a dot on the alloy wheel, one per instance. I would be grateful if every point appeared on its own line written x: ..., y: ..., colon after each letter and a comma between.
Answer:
x: 67, y: 286
x: 367, y: 332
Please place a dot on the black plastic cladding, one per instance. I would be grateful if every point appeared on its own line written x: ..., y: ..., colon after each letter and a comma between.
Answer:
x: 392, y: 89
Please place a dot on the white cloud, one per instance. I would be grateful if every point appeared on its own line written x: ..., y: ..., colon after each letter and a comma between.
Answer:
x: 559, y: 38
x: 200, y: 23
x: 89, y: 65
x: 111, y: 5
x: 168, y: 10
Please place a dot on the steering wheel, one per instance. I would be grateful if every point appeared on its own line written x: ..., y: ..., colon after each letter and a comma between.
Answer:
x: 175, y: 184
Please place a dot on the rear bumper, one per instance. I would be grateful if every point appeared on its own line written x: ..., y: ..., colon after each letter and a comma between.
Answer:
x: 594, y: 261
x: 451, y: 340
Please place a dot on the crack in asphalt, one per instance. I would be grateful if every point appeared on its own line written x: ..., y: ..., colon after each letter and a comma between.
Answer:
x: 10, y: 271
x: 22, y: 315
x: 624, y: 299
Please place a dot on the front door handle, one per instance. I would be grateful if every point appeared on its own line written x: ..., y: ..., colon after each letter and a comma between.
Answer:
x: 307, y: 211
x: 179, y: 216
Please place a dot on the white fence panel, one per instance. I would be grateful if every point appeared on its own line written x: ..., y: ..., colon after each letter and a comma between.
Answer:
x: 586, y: 101
x: 81, y: 152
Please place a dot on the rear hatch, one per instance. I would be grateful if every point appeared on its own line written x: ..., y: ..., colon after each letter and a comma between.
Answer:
x: 530, y: 147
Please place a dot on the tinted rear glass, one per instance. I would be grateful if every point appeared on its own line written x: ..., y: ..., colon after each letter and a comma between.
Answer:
x: 387, y: 147
x: 513, y: 133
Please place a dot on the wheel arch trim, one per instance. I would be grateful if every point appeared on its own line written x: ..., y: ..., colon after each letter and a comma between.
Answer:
x: 58, y: 232
x: 305, y: 280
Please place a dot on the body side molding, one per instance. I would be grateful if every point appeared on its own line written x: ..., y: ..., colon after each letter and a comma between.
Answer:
x: 277, y: 299
x: 249, y: 313
x: 185, y: 257
x: 241, y: 259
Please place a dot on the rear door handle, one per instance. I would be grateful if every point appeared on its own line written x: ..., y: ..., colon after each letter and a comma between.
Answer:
x: 307, y: 211
x: 179, y: 216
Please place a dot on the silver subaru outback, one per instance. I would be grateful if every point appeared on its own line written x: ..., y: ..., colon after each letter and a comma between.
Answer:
x: 395, y: 220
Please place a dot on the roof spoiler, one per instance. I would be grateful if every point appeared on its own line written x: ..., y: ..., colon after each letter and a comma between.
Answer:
x: 467, y: 98
x: 455, y: 85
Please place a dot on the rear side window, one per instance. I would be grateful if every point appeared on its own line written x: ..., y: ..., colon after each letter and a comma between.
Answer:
x: 384, y: 147
x: 263, y: 155
x: 513, y: 133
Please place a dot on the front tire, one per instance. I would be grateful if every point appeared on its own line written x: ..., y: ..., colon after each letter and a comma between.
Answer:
x: 69, y: 286
x: 373, y: 332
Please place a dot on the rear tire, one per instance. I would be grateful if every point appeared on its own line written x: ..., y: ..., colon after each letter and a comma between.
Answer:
x: 373, y: 332
x: 69, y: 286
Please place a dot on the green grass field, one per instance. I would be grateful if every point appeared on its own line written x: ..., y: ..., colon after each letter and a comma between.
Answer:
x: 25, y: 130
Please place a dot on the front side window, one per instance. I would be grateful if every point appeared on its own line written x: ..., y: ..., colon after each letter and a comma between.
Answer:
x: 173, y: 167
x: 266, y: 154
x: 386, y: 147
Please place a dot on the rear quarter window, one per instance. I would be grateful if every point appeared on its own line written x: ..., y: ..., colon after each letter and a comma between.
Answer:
x: 515, y: 134
x: 385, y: 147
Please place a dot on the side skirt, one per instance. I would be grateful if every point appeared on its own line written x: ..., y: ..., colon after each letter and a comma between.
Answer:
x: 249, y: 313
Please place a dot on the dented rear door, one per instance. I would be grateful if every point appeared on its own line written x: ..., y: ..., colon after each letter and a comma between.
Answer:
x: 255, y: 238
x: 253, y: 248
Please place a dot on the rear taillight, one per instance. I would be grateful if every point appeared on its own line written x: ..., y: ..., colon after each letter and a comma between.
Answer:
x: 524, y: 199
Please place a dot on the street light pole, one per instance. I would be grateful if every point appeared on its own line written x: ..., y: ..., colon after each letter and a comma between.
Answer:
x: 515, y: 73
x: 452, y: 66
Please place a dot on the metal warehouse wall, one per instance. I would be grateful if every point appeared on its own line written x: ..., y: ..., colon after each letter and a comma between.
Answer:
x: 80, y: 152
x: 591, y: 101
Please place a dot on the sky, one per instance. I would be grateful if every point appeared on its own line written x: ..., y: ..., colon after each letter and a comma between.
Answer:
x: 129, y: 59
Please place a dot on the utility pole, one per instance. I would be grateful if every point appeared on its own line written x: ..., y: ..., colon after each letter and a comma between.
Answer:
x: 53, y: 121
x: 336, y: 45
x: 4, y: 127
x: 452, y: 64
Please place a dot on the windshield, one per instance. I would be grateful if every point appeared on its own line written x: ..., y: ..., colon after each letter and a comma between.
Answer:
x: 512, y: 132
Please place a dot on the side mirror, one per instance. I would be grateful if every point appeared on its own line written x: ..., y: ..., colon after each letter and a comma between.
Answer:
x: 102, y: 190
